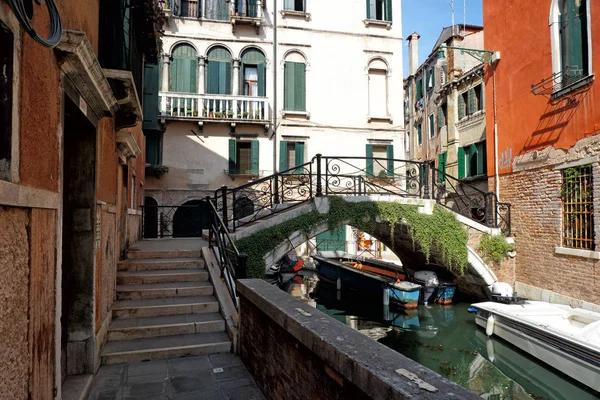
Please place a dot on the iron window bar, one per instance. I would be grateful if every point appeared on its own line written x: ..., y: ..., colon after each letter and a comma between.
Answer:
x: 557, y: 81
x: 578, y: 208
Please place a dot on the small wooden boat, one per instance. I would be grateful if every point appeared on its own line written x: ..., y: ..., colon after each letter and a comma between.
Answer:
x: 566, y: 338
x: 370, y: 277
x: 444, y: 293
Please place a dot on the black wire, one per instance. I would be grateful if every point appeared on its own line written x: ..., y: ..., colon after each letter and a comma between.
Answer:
x: 20, y: 11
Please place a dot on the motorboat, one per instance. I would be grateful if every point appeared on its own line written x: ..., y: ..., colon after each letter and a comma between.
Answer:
x: 371, y: 276
x: 563, y: 337
x: 434, y: 289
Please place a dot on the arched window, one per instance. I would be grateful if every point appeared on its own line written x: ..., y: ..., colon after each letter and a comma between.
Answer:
x: 378, y: 89
x: 183, y: 69
x: 569, y: 34
x: 191, y: 218
x: 253, y: 77
x: 294, y: 83
x: 218, y: 73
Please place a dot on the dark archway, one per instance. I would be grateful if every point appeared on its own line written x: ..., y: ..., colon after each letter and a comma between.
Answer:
x: 243, y: 207
x: 150, y: 218
x: 191, y: 218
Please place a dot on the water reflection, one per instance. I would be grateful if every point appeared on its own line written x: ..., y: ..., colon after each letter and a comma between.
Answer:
x: 444, y: 339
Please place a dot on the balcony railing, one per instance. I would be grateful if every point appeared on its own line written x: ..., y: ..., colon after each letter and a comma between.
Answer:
x: 210, y: 106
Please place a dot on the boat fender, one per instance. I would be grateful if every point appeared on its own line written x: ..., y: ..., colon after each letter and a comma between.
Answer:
x: 472, y: 310
x: 339, y: 284
x: 489, y: 344
x: 489, y: 327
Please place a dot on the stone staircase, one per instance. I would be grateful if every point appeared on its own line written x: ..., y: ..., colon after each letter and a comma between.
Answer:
x: 165, y: 308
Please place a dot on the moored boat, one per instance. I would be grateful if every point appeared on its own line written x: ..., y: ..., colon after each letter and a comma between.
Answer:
x: 434, y: 288
x: 364, y: 275
x: 565, y: 338
x: 444, y: 294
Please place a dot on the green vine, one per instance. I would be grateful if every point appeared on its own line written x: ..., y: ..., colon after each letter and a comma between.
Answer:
x: 440, y: 231
x: 494, y: 248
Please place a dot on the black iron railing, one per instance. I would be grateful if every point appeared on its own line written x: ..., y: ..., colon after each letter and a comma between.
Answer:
x: 558, y: 81
x: 175, y: 221
x: 357, y: 176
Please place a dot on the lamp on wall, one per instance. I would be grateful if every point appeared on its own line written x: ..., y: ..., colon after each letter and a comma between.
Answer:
x: 487, y: 57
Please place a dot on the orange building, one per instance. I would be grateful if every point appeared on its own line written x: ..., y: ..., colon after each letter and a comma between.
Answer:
x: 544, y: 113
x: 71, y: 180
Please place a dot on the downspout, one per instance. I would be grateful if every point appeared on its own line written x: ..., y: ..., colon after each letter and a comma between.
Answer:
x: 497, y: 176
x: 275, y: 66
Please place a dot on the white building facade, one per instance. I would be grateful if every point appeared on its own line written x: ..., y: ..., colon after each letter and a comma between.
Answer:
x: 338, y: 92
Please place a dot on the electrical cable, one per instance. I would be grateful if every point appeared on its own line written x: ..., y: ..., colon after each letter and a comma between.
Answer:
x: 55, y: 36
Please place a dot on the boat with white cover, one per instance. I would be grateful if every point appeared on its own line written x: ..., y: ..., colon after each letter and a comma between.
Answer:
x: 563, y: 337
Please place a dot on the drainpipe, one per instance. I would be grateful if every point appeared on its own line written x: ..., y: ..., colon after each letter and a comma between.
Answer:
x: 497, y: 177
x: 275, y: 66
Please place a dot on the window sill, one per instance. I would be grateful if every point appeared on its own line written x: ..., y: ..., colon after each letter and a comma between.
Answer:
x: 295, y: 14
x: 594, y: 255
x: 375, y: 118
x: 573, y: 87
x: 297, y: 114
x: 378, y: 23
x: 473, y: 178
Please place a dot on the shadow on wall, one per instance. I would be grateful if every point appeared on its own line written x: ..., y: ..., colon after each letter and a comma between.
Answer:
x: 555, y: 119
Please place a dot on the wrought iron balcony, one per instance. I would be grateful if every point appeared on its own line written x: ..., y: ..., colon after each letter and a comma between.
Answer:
x: 559, y: 81
x: 246, y: 12
x: 214, y: 108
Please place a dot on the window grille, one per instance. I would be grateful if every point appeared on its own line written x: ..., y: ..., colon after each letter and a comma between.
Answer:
x: 190, y: 8
x: 6, y: 99
x: 578, y: 208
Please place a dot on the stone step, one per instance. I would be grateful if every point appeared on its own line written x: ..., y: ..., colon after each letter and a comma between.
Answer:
x: 149, y: 264
x: 167, y: 306
x: 159, y: 348
x: 169, y: 325
x: 138, y: 254
x: 160, y: 290
x: 161, y: 276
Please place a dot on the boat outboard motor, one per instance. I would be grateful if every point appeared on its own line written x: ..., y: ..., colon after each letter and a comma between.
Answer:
x: 429, y: 281
x: 502, y: 292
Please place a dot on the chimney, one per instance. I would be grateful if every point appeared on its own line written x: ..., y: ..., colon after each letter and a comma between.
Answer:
x: 413, y: 53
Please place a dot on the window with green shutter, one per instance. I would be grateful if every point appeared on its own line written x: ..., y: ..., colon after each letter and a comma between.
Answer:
x: 574, y: 37
x: 472, y: 160
x: 150, y: 99
x: 291, y: 154
x: 430, y: 79
x: 294, y: 86
x: 390, y: 160
x: 369, y: 159
x: 431, y: 126
x: 153, y: 148
x: 419, y: 135
x: 462, y: 102
x: 380, y: 10
x: 243, y: 157
x: 218, y: 71
x: 441, y: 115
x: 472, y: 106
x: 419, y: 89
x: 184, y: 68
x: 442, y: 159
x: 294, y: 5
x: 254, y: 85
x: 217, y: 10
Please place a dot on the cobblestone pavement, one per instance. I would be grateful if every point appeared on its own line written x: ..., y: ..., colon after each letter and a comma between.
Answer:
x: 214, y: 377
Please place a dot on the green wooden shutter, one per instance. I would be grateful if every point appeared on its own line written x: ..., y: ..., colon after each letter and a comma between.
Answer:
x: 472, y: 156
x: 371, y: 13
x: 472, y: 98
x: 481, y: 159
x: 150, y: 99
x: 441, y: 166
x: 461, y: 162
x: 174, y: 75
x: 427, y: 78
x: 390, y: 160
x: 213, y: 77
x: 419, y: 134
x: 431, y: 126
x: 432, y: 77
x: 300, y: 87
x: 419, y: 88
x: 299, y: 153
x: 440, y: 117
x: 282, y: 156
x: 288, y: 86
x: 193, y: 75
x: 232, y: 156
x: 369, y: 154
x: 576, y: 34
x: 288, y: 5
x: 388, y: 14
x: 227, y: 78
x: 254, y: 157
x: 152, y: 149
x: 261, y: 80
x: 461, y: 106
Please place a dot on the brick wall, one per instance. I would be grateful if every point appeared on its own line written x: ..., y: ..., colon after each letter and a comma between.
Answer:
x: 535, y: 196
x: 284, y: 368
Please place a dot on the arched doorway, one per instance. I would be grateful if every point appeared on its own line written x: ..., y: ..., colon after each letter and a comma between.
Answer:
x: 191, y: 218
x: 150, y: 221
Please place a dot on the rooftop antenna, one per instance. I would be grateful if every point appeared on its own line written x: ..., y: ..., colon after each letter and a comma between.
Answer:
x: 452, y: 8
x: 465, y: 17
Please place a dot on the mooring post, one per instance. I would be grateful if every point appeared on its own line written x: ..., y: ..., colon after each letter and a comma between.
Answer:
x: 426, y: 179
x: 319, y: 185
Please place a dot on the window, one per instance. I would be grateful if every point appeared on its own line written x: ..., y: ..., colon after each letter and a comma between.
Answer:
x: 153, y: 148
x: 253, y: 73
x: 246, y: 8
x: 378, y: 88
x: 472, y: 160
x: 384, y: 166
x: 463, y: 100
x: 294, y: 5
x: 419, y: 89
x: 430, y: 79
x: 294, y: 85
x: 217, y: 10
x: 431, y: 126
x: 578, y: 208
x: 407, y: 142
x: 442, y: 160
x: 570, y: 44
x: 291, y: 154
x: 332, y: 240
x: 218, y: 74
x: 419, y: 135
x: 442, y: 117
x: 190, y: 8
x: 183, y: 69
x: 478, y: 97
x: 380, y: 10
x: 243, y: 157
x: 6, y: 100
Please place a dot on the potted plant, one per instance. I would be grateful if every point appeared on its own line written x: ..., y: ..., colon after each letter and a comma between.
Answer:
x: 211, y: 114
x: 230, y: 114
x: 218, y: 114
x: 156, y: 170
x: 188, y: 113
x: 195, y: 113
x: 245, y: 114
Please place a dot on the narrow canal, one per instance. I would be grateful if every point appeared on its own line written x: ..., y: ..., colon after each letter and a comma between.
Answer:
x: 444, y: 339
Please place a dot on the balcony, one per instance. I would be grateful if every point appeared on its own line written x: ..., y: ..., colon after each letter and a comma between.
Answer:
x: 215, y: 108
x: 246, y: 12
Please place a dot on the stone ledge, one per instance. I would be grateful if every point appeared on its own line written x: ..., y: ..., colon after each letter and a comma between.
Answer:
x: 535, y: 293
x: 12, y: 194
x: 369, y: 365
x: 594, y: 255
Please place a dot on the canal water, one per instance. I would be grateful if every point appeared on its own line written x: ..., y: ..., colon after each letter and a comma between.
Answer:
x: 445, y: 339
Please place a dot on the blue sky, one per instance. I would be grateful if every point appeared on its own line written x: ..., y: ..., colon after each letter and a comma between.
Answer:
x: 428, y: 17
